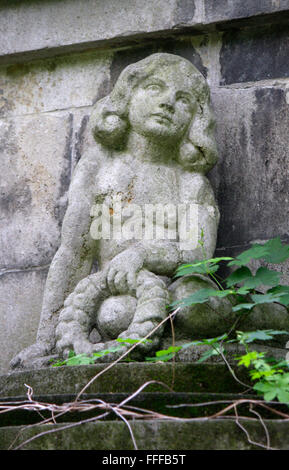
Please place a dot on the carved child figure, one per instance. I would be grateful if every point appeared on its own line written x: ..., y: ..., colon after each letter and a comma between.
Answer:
x: 155, y: 142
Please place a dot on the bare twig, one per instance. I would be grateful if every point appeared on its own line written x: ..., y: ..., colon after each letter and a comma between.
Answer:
x: 247, y: 434
x: 263, y: 424
x: 128, y: 425
x: 173, y: 344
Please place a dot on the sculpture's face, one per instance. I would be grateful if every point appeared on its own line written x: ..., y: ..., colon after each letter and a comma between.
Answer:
x: 162, y: 106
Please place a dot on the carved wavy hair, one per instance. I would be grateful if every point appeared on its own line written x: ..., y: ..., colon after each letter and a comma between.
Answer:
x: 110, y: 124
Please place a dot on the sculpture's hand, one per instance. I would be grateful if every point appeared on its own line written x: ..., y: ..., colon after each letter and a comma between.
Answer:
x: 122, y: 271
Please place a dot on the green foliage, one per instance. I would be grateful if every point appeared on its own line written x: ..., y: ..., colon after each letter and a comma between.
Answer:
x: 242, y: 282
x: 167, y: 354
x: 272, y: 252
x: 208, y: 266
x: 244, y: 276
x: 133, y: 341
x: 83, y: 359
x: 273, y: 381
x: 272, y: 377
x: 275, y: 386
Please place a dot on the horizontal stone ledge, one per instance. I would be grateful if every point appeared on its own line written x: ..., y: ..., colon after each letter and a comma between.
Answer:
x: 38, y: 29
x: 123, y: 377
x: 153, y: 434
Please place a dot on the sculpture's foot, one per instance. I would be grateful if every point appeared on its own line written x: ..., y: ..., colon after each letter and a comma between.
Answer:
x: 90, y: 349
x: 35, y: 356
x: 91, y: 307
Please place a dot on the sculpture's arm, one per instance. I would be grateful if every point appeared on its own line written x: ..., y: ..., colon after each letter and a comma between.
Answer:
x: 73, y: 260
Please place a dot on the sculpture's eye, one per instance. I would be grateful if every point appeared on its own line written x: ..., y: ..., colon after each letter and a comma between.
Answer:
x: 184, y: 100
x: 153, y: 87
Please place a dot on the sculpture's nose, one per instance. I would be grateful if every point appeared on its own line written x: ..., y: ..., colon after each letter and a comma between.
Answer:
x: 167, y: 106
x: 168, y: 101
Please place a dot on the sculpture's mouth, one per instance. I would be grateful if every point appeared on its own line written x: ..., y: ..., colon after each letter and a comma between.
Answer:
x: 162, y: 117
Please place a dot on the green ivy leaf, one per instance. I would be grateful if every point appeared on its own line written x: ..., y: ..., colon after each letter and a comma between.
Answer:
x: 284, y: 290
x: 216, y: 351
x: 203, y: 295
x: 244, y: 306
x: 263, y: 276
x: 272, y: 251
x: 106, y: 351
x: 277, y: 253
x: 203, y: 269
x: 259, y: 299
x: 163, y: 358
x: 263, y: 335
x: 267, y: 298
x: 208, y: 266
x: 257, y: 251
x: 133, y: 341
x: 248, y: 358
x: 276, y: 386
x: 80, y: 359
x: 238, y: 276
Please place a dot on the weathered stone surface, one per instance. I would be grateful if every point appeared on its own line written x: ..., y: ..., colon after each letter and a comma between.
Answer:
x: 21, y: 298
x: 54, y: 84
x: 192, y: 383
x: 255, y: 55
x: 221, y: 10
x: 25, y: 33
x: 24, y: 28
x: 152, y: 435
x: 36, y: 162
x: 251, y: 178
x: 123, y: 377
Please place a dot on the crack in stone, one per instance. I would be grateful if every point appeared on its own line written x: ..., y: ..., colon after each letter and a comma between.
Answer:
x: 21, y: 269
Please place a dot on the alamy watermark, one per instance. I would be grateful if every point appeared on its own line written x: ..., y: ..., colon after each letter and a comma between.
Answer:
x: 127, y: 221
x: 287, y: 355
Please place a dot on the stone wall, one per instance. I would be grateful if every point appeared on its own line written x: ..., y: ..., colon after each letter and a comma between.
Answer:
x: 58, y: 57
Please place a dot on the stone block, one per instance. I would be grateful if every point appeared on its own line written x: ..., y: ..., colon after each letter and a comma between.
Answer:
x: 251, y: 177
x: 123, y: 378
x: 221, y: 10
x: 21, y: 298
x: 41, y: 26
x: 35, y: 167
x: 150, y: 434
x: 53, y: 84
x: 251, y: 55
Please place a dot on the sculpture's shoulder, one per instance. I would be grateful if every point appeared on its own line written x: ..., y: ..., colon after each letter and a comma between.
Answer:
x: 84, y: 174
x: 195, y: 187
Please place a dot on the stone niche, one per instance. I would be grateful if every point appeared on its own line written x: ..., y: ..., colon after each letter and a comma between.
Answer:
x: 57, y: 60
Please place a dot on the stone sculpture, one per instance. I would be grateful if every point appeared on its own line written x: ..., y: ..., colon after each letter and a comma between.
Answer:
x: 154, y: 143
